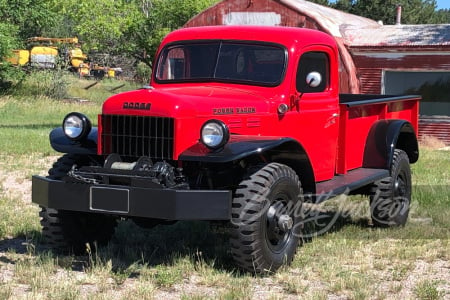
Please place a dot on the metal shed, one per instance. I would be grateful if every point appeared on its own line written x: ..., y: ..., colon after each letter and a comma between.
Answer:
x: 374, y: 58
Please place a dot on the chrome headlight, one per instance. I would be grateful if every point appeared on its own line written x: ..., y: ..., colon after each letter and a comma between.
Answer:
x: 214, y: 134
x: 76, y: 126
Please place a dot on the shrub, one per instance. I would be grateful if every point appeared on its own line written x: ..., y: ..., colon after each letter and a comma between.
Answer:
x: 143, y: 73
x: 51, y: 83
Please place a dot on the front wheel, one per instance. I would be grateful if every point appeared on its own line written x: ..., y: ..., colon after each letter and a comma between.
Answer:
x: 390, y: 197
x: 70, y: 231
x: 266, y: 219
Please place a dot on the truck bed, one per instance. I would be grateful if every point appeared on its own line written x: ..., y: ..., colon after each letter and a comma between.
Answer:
x: 358, y: 114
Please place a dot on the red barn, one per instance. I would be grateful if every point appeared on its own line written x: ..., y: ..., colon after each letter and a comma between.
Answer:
x: 375, y: 58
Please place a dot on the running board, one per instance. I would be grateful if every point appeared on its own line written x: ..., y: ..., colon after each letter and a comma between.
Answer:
x: 344, y: 184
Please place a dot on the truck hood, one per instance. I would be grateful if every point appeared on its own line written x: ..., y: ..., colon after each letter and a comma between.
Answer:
x: 183, y: 101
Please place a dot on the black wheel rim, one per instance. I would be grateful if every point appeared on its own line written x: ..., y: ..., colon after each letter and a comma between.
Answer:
x: 277, y: 237
x: 401, y: 192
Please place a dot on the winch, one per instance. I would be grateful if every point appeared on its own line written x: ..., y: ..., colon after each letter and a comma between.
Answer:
x: 143, y: 173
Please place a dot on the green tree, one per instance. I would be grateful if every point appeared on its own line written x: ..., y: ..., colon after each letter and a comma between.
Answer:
x: 159, y: 17
x: 321, y: 2
x: 8, y: 42
x: 442, y: 16
x: 100, y: 24
x: 344, y: 5
x: 32, y: 17
x: 413, y: 11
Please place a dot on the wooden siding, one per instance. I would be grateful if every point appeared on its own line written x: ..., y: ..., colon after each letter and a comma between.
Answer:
x: 215, y: 15
x: 437, y: 129
x: 370, y: 80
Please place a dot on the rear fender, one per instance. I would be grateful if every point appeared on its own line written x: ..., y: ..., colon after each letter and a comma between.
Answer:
x: 61, y: 143
x: 384, y: 137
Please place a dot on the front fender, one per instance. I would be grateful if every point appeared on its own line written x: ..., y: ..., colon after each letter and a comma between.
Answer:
x: 384, y: 137
x: 61, y: 143
x: 238, y: 147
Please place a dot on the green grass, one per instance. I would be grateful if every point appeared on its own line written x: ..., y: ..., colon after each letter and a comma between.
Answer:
x: 188, y: 260
x: 427, y: 290
x: 27, y: 118
x: 18, y: 219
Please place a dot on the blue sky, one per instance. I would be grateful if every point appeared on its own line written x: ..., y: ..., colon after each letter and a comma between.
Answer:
x: 443, y: 3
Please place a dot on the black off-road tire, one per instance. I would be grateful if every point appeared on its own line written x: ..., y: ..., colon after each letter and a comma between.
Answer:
x: 259, y: 244
x: 69, y: 231
x: 390, y: 198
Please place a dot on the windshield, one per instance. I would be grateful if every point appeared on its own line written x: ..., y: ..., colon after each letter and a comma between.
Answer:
x: 259, y: 64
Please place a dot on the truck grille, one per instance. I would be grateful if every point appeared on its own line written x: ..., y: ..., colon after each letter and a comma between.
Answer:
x: 137, y: 136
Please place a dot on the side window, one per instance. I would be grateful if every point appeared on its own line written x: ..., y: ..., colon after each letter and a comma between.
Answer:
x: 313, y: 72
x: 172, y: 65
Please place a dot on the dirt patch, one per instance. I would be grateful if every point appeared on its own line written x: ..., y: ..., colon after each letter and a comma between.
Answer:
x: 436, y: 271
x: 431, y: 142
x: 14, y: 185
x: 17, y: 183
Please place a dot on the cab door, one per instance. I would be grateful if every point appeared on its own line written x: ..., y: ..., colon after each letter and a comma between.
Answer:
x: 316, y: 100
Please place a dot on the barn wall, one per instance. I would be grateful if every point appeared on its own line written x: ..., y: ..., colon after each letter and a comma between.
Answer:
x: 370, y: 80
x: 370, y: 65
x: 217, y: 14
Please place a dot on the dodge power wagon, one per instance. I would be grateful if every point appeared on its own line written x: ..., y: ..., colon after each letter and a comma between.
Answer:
x: 240, y: 125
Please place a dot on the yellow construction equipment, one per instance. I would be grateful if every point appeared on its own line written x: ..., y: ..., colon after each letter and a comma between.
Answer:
x: 19, y: 58
x: 77, y: 57
x: 44, y: 52
x: 43, y: 57
x: 40, y: 39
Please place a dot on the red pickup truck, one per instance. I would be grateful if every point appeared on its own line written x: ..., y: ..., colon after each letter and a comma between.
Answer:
x: 241, y: 126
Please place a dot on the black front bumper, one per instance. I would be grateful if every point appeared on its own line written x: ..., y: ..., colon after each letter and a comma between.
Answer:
x: 166, y: 204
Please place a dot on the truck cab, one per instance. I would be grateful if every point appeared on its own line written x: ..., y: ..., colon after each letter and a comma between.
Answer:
x: 240, y: 125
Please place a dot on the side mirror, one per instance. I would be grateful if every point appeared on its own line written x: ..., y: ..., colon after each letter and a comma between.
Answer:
x: 313, y: 79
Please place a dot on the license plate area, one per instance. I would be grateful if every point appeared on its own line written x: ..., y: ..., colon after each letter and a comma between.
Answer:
x: 113, y: 200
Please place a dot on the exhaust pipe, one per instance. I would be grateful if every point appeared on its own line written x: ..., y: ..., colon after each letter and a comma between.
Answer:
x: 398, y: 20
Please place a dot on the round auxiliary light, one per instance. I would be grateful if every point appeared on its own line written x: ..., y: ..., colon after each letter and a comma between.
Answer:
x: 214, y: 134
x: 76, y: 126
x: 283, y: 108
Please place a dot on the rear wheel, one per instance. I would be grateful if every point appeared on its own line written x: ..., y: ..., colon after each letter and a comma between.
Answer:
x: 266, y: 219
x: 391, y: 197
x: 66, y: 231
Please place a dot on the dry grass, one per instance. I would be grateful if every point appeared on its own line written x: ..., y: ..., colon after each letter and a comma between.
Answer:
x: 431, y: 142
x: 183, y: 262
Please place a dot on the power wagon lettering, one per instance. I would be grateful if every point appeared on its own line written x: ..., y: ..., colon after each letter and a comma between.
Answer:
x: 231, y: 110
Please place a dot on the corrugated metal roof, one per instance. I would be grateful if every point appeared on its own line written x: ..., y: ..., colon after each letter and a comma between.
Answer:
x: 330, y: 19
x: 397, y: 35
